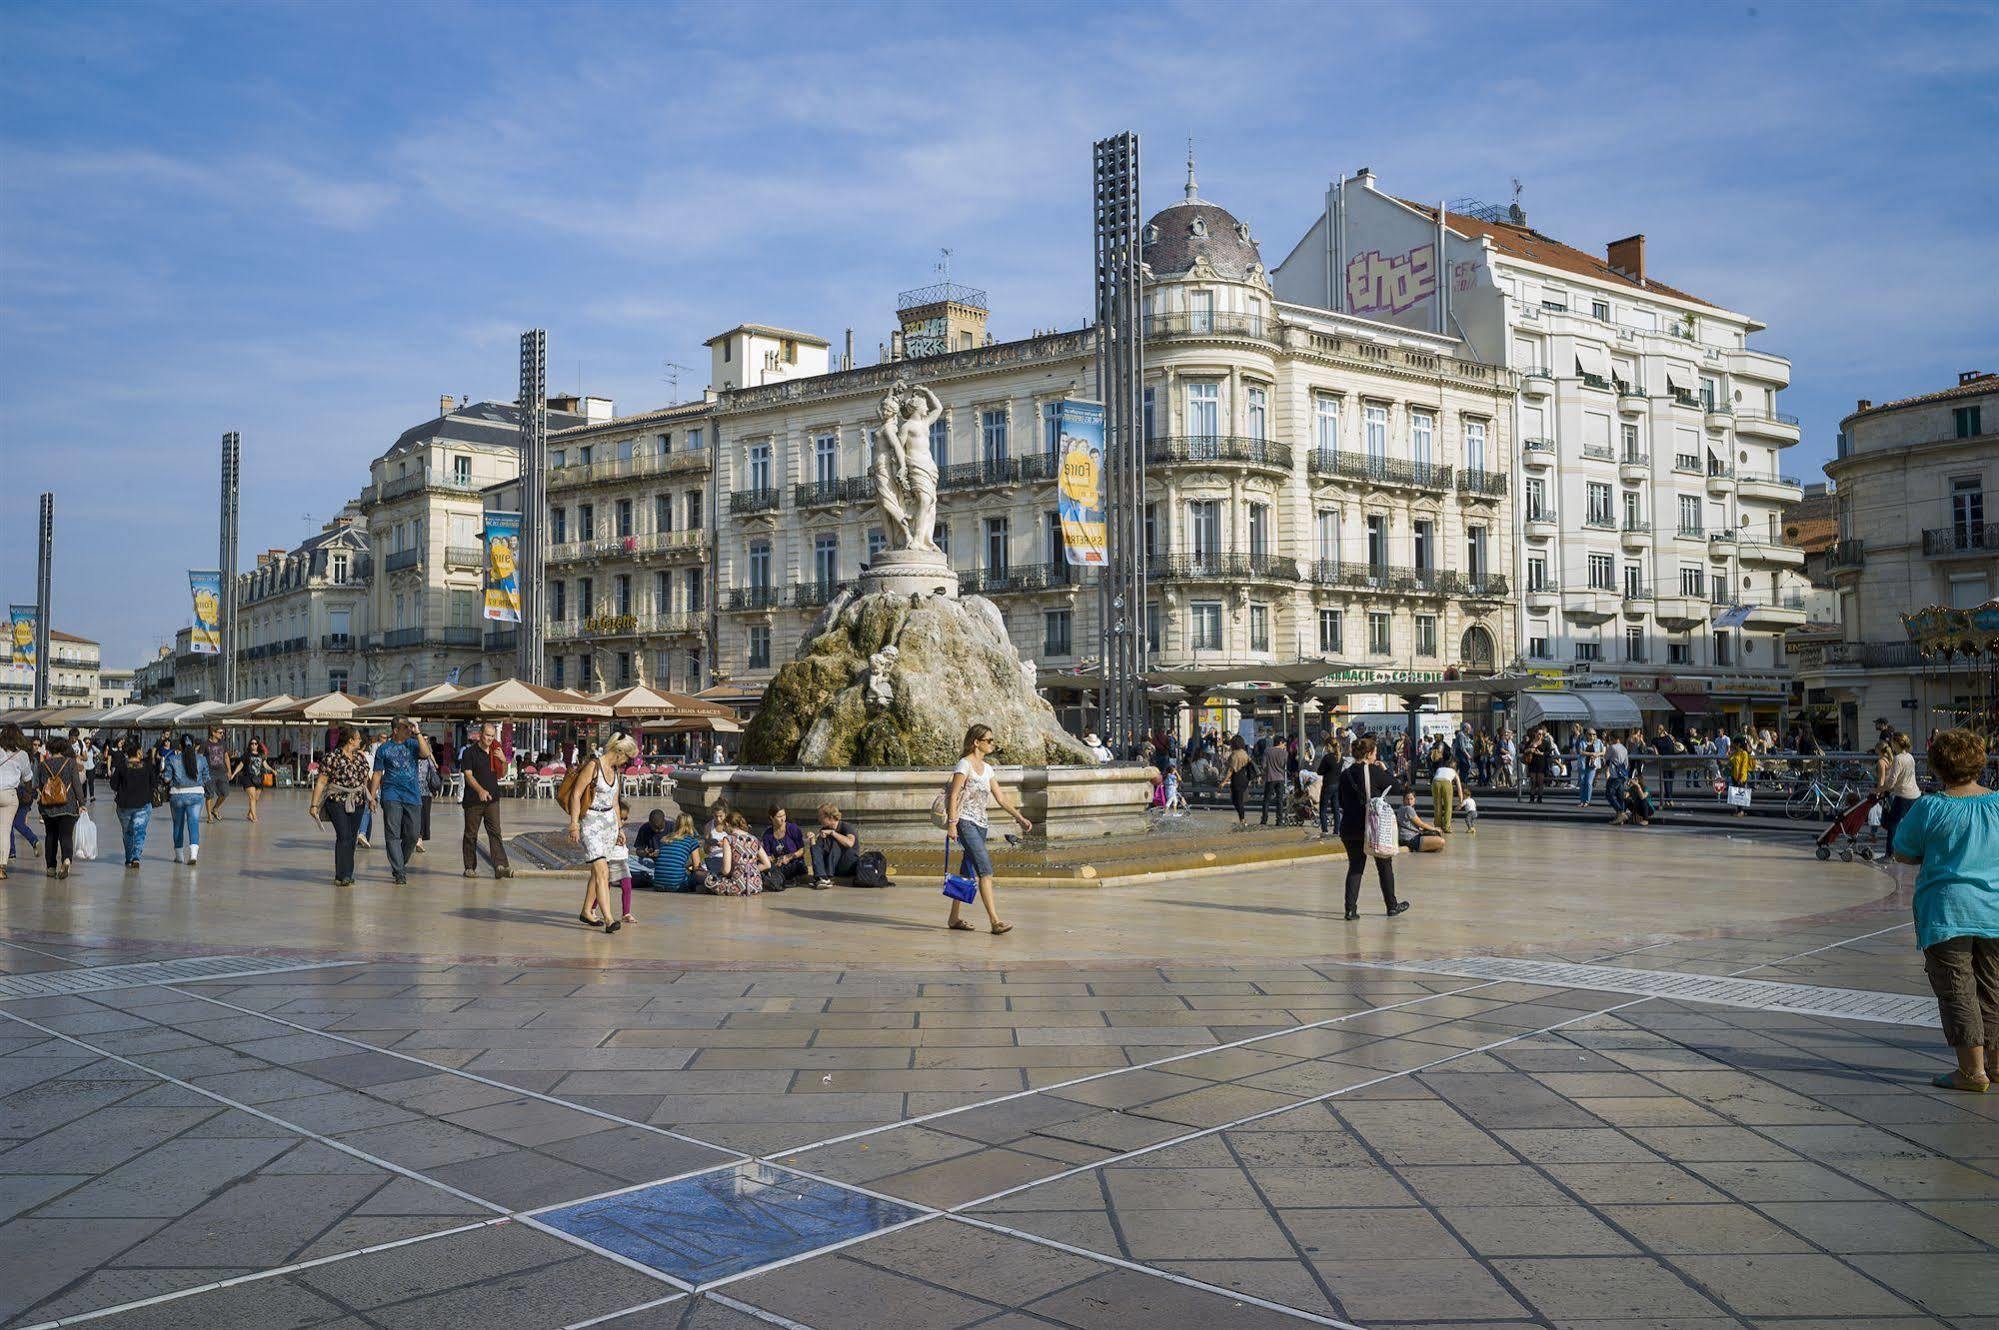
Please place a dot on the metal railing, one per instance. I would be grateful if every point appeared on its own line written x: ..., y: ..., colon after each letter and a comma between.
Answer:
x: 1018, y: 577
x: 1183, y: 448
x: 1538, y: 372
x: 1482, y: 484
x: 755, y: 500
x: 1381, y: 470
x: 464, y: 556
x: 1408, y: 580
x: 1692, y: 532
x: 1228, y: 566
x: 1634, y: 459
x: 401, y: 559
x: 1961, y: 538
x: 755, y: 597
x: 625, y: 468
x: 1681, y: 398
x: 1600, y: 522
x: 1721, y: 537
x: 1538, y: 446
x: 1767, y: 478
x: 420, y: 480
x: 1541, y: 514
x: 502, y: 639
x: 1846, y: 554
x: 812, y: 594
x: 1636, y: 526
x: 826, y: 493
x: 1774, y: 417
x: 1858, y: 655
x: 1039, y: 466
x: 336, y: 642
x: 626, y: 625
x: 1602, y: 452
x: 1593, y: 380
x: 1687, y: 463
x: 979, y: 474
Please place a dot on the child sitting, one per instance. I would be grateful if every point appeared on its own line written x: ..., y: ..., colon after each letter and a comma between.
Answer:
x: 645, y: 847
x: 673, y: 865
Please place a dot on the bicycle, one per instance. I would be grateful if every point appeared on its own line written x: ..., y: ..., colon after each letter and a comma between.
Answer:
x: 1815, y: 801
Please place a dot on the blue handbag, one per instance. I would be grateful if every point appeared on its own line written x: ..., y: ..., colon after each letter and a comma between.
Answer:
x: 962, y: 889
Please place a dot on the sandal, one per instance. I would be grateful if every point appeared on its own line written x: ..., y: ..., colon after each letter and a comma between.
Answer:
x: 1948, y: 1080
x: 1002, y: 928
x: 959, y: 925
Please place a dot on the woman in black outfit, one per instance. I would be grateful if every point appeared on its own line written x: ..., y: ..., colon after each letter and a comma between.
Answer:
x: 1238, y: 770
x: 1365, y: 778
x: 1540, y: 757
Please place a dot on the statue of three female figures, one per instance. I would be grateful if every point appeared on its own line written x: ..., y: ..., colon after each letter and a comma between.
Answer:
x: 904, y: 469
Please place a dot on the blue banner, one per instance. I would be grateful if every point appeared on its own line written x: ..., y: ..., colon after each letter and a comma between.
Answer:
x: 21, y: 635
x: 503, y: 567
x: 206, y: 640
x: 1080, y: 493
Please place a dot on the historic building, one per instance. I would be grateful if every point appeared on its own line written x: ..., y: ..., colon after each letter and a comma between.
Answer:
x: 302, y: 614
x: 77, y: 678
x: 1648, y: 540
x: 1910, y: 487
x: 1319, y: 485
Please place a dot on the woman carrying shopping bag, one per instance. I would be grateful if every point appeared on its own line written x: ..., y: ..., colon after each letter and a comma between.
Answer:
x: 974, y: 786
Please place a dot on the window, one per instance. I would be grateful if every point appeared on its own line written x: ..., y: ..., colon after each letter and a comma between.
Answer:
x: 666, y: 444
x: 586, y: 597
x: 697, y: 590
x: 877, y: 542
x: 1055, y: 633
x: 759, y: 646
x: 1426, y: 634
x: 1634, y: 514
x: 662, y: 592
x: 1380, y: 642
x: 1325, y: 422
x: 941, y: 533
x: 940, y: 443
x: 996, y: 545
x: 1201, y: 311
x: 1537, y: 499
x: 1475, y: 447
x: 1628, y: 438
x: 1723, y: 648
x: 1710, y: 394
x: 826, y: 561
x: 992, y: 435
x: 694, y: 441
x: 760, y: 565
x: 560, y: 675
x: 1422, y: 438
x: 693, y: 510
x: 1602, y: 572
x: 1151, y: 532
x: 625, y: 448
x: 1326, y: 535
x: 1967, y: 511
x: 624, y: 669
x: 1537, y: 642
x: 621, y: 592
x: 1690, y: 515
x: 1693, y: 582
x: 1204, y: 410
x: 1204, y: 528
x: 1634, y: 581
x: 1537, y: 574
x: 1475, y: 565
x: 1204, y: 625
x: 336, y: 681
x: 1332, y: 629
x: 624, y: 512
x: 1377, y: 539
x: 558, y: 526
x: 761, y: 476
x: 1053, y: 552
x: 1600, y: 309
x: 1258, y: 413
x: 1967, y: 590
x: 1967, y: 420
x: 1259, y: 530
x: 1589, y: 651
x: 558, y: 601
x: 1425, y: 533
x: 464, y: 608
x: 338, y: 565
x: 1375, y: 420
x: 1051, y: 429
x: 461, y: 471
x: 337, y: 622
x: 586, y: 521
x: 826, y: 459
x: 1152, y: 625
x: 1259, y: 628
x: 1597, y: 495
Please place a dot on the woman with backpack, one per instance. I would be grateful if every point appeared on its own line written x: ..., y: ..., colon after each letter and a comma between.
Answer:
x: 187, y: 774
x: 1361, y: 784
x: 59, y: 794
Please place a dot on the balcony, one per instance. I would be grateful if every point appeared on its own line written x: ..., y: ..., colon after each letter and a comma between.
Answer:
x: 1637, y: 601
x: 1546, y: 596
x: 1227, y: 568
x: 1681, y: 397
x: 1717, y: 416
x: 457, y: 636
x: 1634, y: 467
x: 401, y: 559
x: 755, y: 597
x: 1719, y: 543
x: 464, y: 556
x: 1770, y: 553
x: 1599, y: 522
x: 503, y: 639
x: 986, y: 474
x: 626, y: 625
x: 1778, y: 425
x: 1591, y: 604
x: 755, y: 500
x: 1961, y: 539
x: 1692, y: 533
x: 629, y: 468
x: 815, y: 593
x: 1720, y: 477
x: 1846, y: 555
x: 1681, y: 611
x: 1631, y: 402
x: 1207, y: 449
x: 1777, y: 616
x: 1207, y: 324
x: 1537, y: 453
x: 1687, y: 464
x: 1859, y: 656
x: 1598, y: 452
x: 1481, y: 484
x: 1383, y: 471
x: 1769, y: 485
x: 336, y: 642
x: 1596, y: 381
x: 1536, y: 382
x: 1014, y: 579
x: 1541, y: 524
x: 422, y: 480
x: 1038, y: 468
x: 612, y: 547
x: 1636, y: 534
x: 830, y: 493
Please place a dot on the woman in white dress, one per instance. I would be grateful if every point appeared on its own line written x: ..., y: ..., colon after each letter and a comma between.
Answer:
x: 595, y: 825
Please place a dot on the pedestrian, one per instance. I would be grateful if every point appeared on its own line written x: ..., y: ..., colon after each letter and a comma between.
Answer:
x: 430, y: 783
x: 718, y: 757
x: 1237, y: 770
x: 395, y: 786
x: 1616, y: 772
x: 1540, y: 759
x: 1447, y: 791
x: 17, y: 771
x: 1276, y: 774
x: 1897, y: 786
x: 90, y: 757
x: 836, y: 848
x: 595, y: 824
x: 1741, y: 770
x: 134, y: 774
x: 1329, y: 768
x: 1589, y: 761
x: 1509, y: 758
x: 188, y: 793
x: 1360, y: 783
x: 369, y: 744
x: 339, y: 794
x: 250, y: 769
x: 215, y: 756
x: 1664, y: 745
x: 974, y: 787
x: 483, y: 762
x: 59, y: 796
x: 1954, y: 837
x: 784, y: 844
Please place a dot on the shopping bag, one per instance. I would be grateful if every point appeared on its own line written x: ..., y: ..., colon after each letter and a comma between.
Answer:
x: 962, y: 889
x: 1381, y: 825
x: 86, y: 838
x: 1738, y: 796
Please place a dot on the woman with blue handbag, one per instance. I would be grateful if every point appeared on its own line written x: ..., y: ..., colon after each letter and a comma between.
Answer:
x: 975, y: 785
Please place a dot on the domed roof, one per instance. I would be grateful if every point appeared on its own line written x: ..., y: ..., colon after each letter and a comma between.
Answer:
x: 1196, y: 229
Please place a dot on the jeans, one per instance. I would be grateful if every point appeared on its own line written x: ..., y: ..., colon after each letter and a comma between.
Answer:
x: 186, y: 810
x: 1585, y: 779
x: 1273, y: 797
x: 831, y: 859
x: 399, y: 827
x: 21, y: 827
x: 1616, y: 778
x: 976, y: 861
x: 423, y: 826
x: 1328, y: 792
x: 132, y: 824
x: 346, y: 827
x: 1357, y: 857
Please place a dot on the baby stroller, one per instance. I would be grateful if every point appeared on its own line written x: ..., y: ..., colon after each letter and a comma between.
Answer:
x: 1853, y: 831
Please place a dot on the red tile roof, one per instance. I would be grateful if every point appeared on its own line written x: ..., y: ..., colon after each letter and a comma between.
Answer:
x: 1523, y: 242
x: 55, y: 635
x: 1978, y: 387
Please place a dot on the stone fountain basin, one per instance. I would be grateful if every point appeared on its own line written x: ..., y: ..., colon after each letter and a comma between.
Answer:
x: 891, y: 806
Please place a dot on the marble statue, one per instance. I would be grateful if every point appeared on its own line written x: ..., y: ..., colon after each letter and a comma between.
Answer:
x: 904, y: 470
x: 881, y: 668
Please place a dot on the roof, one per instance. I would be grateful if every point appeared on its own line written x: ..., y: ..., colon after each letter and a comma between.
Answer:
x: 765, y: 330
x: 55, y: 636
x: 1978, y: 387
x: 1524, y: 242
x: 1195, y: 229
x: 497, y: 423
x: 617, y: 424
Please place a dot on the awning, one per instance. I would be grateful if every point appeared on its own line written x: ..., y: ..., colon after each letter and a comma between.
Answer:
x: 1693, y: 704
x: 1592, y: 360
x: 1610, y: 709
x: 1650, y: 701
x: 1550, y: 708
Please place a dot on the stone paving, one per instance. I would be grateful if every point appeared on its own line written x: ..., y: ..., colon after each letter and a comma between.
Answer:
x: 877, y: 1142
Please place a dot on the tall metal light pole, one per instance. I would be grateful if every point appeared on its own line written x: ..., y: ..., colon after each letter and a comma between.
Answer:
x: 1121, y: 619
x: 534, y: 502
x: 232, y: 470
x: 44, y: 611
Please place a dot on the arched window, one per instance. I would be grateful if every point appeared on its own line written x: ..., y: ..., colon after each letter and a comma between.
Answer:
x: 1476, y: 648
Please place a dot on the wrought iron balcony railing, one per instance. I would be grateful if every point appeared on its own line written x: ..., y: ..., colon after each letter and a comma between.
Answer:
x: 1180, y: 449
x: 1381, y: 470
x: 755, y: 501
x: 979, y: 474
x: 826, y: 493
x: 1018, y: 577
x: 1962, y: 538
x: 1482, y: 484
x: 1239, y: 567
x: 1846, y: 554
x: 755, y: 597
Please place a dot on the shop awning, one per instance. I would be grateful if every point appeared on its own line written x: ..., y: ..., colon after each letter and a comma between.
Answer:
x: 1592, y: 360
x: 1650, y: 701
x: 1610, y: 709
x: 1552, y: 708
x: 1693, y: 704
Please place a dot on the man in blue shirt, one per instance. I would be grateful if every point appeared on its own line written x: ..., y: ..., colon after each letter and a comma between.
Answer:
x: 396, y: 785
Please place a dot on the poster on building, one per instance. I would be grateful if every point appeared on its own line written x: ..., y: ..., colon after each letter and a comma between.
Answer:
x: 21, y: 635
x: 1080, y: 496
x: 503, y: 565
x: 206, y: 639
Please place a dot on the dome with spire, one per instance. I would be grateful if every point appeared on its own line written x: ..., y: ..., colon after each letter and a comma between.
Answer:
x: 1194, y: 229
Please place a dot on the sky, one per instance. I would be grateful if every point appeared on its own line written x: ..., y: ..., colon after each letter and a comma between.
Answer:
x: 306, y: 222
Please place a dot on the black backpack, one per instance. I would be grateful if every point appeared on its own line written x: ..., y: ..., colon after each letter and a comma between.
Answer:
x: 872, y: 870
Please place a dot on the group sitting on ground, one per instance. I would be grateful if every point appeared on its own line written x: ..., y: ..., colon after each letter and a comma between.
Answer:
x: 727, y: 859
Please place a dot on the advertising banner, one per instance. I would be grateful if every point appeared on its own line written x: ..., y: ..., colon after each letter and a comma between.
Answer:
x: 207, y: 636
x: 21, y: 635
x: 1080, y: 493
x: 503, y: 575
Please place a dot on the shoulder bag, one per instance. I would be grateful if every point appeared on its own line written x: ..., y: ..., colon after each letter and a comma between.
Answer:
x: 1380, y: 818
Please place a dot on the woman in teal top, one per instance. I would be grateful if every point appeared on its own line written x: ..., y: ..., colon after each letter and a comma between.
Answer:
x: 1955, y: 837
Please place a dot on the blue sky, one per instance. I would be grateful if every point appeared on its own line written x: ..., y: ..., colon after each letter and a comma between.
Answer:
x: 305, y: 222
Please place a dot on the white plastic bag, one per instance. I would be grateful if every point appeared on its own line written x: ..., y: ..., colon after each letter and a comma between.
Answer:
x: 86, y: 837
x: 1381, y: 828
x: 1738, y: 796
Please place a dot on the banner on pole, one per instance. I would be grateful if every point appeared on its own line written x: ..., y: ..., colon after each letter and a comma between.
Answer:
x: 21, y: 635
x: 206, y: 639
x: 1080, y: 495
x: 503, y: 567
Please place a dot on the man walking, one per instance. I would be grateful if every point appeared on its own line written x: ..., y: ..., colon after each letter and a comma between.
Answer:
x: 398, y: 785
x: 483, y: 764
x: 1276, y: 774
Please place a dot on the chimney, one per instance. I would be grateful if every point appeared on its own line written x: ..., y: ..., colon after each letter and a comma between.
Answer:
x: 1628, y: 257
x: 847, y: 360
x: 1865, y: 402
x: 444, y: 404
x: 1965, y: 376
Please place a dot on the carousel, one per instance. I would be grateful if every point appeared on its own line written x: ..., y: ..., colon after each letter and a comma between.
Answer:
x: 1959, y: 654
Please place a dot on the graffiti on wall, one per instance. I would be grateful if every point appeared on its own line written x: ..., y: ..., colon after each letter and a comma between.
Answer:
x: 1390, y: 284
